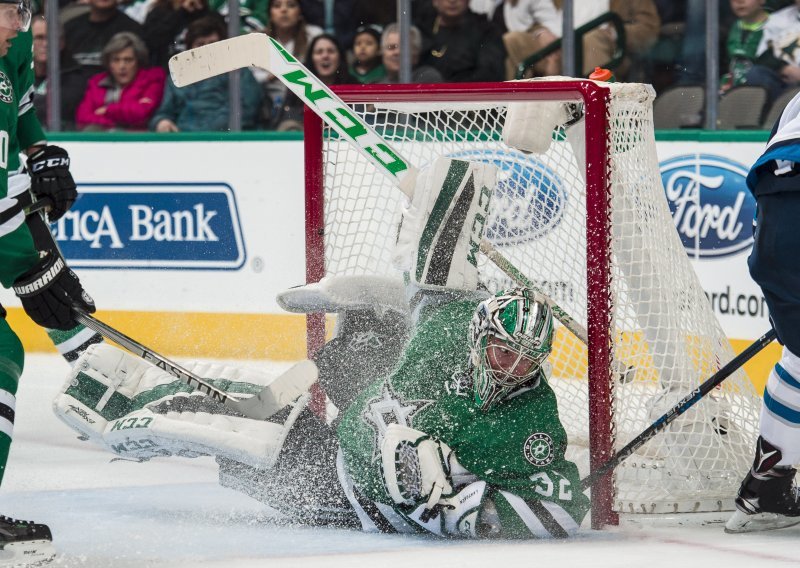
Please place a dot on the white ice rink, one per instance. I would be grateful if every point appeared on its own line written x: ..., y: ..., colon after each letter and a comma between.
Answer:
x: 171, y: 512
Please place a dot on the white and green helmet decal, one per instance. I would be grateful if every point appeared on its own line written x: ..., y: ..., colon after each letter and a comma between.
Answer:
x: 524, y: 322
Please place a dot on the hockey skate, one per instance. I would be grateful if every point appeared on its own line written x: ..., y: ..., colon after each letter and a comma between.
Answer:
x: 24, y: 543
x: 768, y: 498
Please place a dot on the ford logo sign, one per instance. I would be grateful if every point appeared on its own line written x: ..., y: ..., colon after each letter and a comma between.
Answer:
x: 530, y: 195
x: 710, y: 204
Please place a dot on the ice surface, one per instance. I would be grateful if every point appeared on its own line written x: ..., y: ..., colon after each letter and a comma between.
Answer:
x: 171, y: 512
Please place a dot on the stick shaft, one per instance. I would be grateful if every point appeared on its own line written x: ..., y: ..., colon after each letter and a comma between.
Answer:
x: 184, y: 375
x: 685, y: 404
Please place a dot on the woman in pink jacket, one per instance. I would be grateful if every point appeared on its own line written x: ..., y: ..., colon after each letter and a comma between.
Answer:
x: 126, y: 95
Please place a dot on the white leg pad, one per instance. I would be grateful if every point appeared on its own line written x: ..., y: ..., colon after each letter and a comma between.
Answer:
x: 144, y: 434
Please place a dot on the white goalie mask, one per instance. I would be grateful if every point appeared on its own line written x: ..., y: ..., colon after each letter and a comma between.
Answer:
x: 511, y: 335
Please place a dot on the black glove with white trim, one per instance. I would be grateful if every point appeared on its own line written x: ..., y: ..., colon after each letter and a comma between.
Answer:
x: 50, y: 178
x: 50, y: 290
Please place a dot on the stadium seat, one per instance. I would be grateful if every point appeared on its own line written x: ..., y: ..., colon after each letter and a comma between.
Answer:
x: 741, y: 108
x: 777, y: 108
x: 679, y: 107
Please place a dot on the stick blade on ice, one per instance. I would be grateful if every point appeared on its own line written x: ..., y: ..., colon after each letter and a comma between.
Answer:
x: 220, y: 57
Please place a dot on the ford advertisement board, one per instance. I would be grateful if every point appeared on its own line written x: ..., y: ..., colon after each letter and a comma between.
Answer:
x: 711, y: 206
x: 152, y: 225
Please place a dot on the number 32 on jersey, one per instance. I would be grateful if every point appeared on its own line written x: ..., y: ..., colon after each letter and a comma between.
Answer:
x: 544, y: 486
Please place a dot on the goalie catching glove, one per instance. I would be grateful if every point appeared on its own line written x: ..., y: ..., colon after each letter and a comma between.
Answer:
x: 51, y: 179
x: 49, y: 292
x: 428, y: 485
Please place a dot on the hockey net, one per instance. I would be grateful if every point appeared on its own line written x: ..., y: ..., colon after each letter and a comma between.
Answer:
x: 630, y: 282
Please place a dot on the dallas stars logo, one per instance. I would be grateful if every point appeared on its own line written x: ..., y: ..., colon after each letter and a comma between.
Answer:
x: 6, y: 90
x: 387, y: 409
x: 538, y: 449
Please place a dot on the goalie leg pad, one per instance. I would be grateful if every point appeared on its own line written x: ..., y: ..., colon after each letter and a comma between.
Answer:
x: 145, y: 434
x: 443, y: 226
x: 137, y: 410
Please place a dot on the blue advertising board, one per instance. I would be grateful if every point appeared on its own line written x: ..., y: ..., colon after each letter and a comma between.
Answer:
x: 153, y: 225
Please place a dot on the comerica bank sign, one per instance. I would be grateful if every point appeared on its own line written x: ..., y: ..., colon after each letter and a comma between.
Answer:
x: 170, y: 225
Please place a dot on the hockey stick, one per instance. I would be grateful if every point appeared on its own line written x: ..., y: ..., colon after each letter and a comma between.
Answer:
x: 260, y: 50
x: 270, y: 400
x: 685, y: 404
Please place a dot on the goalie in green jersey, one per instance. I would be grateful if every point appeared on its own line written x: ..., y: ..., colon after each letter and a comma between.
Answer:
x: 453, y: 432
x: 463, y: 438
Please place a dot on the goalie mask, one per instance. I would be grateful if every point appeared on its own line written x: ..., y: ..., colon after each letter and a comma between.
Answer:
x: 511, y: 335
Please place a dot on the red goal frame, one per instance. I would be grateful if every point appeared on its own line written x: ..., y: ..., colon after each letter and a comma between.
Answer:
x: 595, y: 98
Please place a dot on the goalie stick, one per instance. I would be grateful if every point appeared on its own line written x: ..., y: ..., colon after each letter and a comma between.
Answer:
x: 264, y: 404
x: 268, y: 401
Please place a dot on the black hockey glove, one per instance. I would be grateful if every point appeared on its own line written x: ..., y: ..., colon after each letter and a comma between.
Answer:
x: 50, y: 290
x: 50, y: 178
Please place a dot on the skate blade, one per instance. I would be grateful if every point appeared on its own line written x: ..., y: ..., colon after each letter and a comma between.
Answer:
x: 743, y: 523
x: 28, y: 554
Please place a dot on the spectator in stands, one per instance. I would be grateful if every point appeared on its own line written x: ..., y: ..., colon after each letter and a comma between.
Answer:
x: 126, y: 95
x: 327, y: 60
x: 253, y: 14
x: 692, y: 60
x: 288, y: 26
x: 778, y: 61
x: 136, y: 9
x: 743, y: 40
x: 528, y: 26
x: 338, y: 22
x: 367, y: 66
x: 204, y: 105
x: 86, y: 35
x: 642, y: 24
x: 640, y: 18
x: 165, y: 27
x: 390, y: 45
x: 461, y: 45
x: 73, y: 78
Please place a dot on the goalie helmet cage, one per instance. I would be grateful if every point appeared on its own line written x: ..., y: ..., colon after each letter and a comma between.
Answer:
x: 588, y: 222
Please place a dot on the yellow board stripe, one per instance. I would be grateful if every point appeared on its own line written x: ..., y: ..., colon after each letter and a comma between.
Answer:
x: 279, y: 337
x: 216, y: 335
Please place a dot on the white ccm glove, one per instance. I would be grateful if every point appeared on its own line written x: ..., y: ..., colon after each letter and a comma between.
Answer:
x: 131, y: 408
x: 420, y: 474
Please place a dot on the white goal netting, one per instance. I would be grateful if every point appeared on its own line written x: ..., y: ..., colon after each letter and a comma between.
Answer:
x: 661, y: 323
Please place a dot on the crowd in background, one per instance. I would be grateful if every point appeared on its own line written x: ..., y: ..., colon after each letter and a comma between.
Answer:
x: 113, y: 55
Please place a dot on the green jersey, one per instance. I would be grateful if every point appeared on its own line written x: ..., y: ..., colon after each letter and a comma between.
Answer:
x: 18, y: 127
x: 516, y: 447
